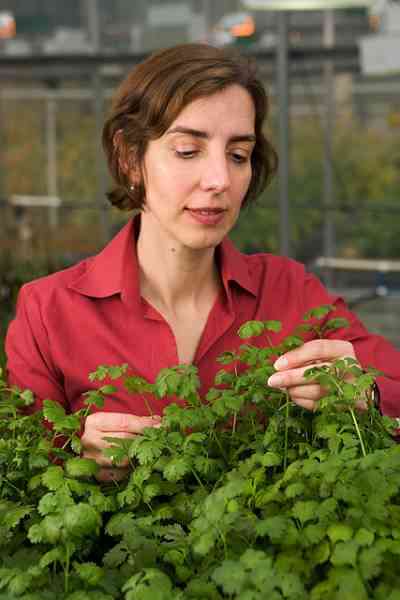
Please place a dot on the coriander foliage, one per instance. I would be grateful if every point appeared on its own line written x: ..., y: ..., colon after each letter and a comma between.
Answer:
x: 240, y: 494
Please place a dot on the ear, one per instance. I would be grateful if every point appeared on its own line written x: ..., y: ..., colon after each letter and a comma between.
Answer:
x: 126, y: 156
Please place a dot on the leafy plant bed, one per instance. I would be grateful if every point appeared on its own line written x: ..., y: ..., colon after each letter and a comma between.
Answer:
x: 240, y: 495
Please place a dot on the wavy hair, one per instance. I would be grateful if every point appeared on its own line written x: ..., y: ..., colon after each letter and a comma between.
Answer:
x: 153, y: 94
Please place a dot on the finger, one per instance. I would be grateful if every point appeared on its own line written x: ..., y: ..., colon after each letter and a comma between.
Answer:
x: 122, y: 422
x: 306, y: 403
x: 311, y: 392
x: 97, y: 439
x: 112, y: 474
x: 102, y: 460
x: 291, y: 377
x: 362, y: 405
x: 315, y: 350
x: 312, y: 405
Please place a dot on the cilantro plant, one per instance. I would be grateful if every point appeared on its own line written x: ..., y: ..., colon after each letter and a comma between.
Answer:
x: 239, y: 495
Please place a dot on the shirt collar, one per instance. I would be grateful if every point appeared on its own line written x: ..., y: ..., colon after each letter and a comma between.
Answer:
x: 234, y: 266
x: 115, y: 269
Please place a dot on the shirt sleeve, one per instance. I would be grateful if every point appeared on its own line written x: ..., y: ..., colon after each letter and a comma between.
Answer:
x: 372, y: 350
x: 29, y: 362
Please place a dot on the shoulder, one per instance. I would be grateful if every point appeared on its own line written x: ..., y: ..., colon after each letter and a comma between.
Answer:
x: 286, y: 280
x: 50, y: 286
x: 276, y: 267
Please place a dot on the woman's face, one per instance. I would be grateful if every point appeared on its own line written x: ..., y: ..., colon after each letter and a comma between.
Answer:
x: 197, y: 174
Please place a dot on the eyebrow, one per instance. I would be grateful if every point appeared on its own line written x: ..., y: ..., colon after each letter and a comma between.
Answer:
x: 247, y: 137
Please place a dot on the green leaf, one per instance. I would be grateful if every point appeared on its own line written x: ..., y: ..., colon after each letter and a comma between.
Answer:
x: 176, y: 469
x: 319, y: 312
x: 52, y: 556
x: 148, y: 584
x: 53, y: 411
x: 339, y: 532
x: 275, y: 326
x: 224, y: 378
x: 28, y: 397
x: 321, y: 553
x: 35, y: 482
x: 49, y: 530
x: 195, y: 438
x: 251, y: 329
x: 20, y: 583
x: 103, y: 371
x: 336, y: 323
x: 53, y: 477
x: 108, y: 389
x: 116, y: 556
x: 271, y: 459
x: 94, y: 398
x: 345, y: 553
x: 148, y: 451
x: 364, y: 537
x: 291, y: 342
x: 182, y: 381
x: 15, y: 515
x: 314, y: 533
x: 89, y: 572
x: 88, y: 595
x: 205, y: 542
x: 81, y: 519
x: 305, y: 510
x: 371, y: 560
x: 231, y: 577
x: 275, y: 527
x: 227, y: 358
x: 81, y: 467
x: 49, y: 503
x: 138, y: 385
x: 76, y: 444
x: 294, y: 489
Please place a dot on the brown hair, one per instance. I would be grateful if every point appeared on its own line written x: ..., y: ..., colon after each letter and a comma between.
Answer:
x: 154, y: 93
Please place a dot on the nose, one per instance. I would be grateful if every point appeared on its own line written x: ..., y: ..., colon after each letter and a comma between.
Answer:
x: 216, y: 175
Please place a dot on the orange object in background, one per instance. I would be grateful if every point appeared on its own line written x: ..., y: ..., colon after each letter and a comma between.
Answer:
x: 7, y: 26
x: 244, y: 29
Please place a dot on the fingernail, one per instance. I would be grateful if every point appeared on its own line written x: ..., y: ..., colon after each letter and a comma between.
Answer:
x: 275, y: 381
x: 281, y: 363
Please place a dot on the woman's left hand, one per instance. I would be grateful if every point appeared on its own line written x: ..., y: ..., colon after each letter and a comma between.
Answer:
x: 293, y: 364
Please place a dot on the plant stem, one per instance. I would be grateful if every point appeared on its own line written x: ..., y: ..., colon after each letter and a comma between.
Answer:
x: 358, y: 431
x: 234, y: 424
x: 217, y: 440
x: 198, y: 479
x: 66, y: 572
x: 8, y: 482
x: 287, y: 414
x: 148, y: 406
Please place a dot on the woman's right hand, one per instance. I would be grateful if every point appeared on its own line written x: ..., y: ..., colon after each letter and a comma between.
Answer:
x: 100, y: 425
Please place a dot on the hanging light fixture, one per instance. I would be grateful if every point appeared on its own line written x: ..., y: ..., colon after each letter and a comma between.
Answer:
x: 279, y: 5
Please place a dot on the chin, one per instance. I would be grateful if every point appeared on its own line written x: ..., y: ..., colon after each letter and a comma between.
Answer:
x: 204, y: 242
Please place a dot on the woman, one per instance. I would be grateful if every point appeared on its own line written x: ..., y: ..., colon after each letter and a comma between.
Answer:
x: 185, y: 146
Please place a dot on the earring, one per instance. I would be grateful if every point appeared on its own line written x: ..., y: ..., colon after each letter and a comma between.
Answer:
x: 132, y: 187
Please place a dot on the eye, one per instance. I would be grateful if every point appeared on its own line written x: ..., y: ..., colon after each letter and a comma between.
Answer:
x: 185, y: 154
x: 239, y: 158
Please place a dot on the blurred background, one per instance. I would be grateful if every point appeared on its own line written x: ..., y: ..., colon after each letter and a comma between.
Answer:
x: 332, y: 70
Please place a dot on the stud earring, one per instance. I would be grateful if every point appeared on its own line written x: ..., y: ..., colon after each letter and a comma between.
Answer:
x: 132, y: 187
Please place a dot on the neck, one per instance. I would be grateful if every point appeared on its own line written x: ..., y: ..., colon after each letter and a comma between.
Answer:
x: 172, y: 275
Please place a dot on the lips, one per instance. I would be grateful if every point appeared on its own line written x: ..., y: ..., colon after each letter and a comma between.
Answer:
x: 207, y: 215
x: 206, y: 211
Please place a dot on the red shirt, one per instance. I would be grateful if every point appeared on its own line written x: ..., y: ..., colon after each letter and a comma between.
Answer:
x: 91, y: 314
